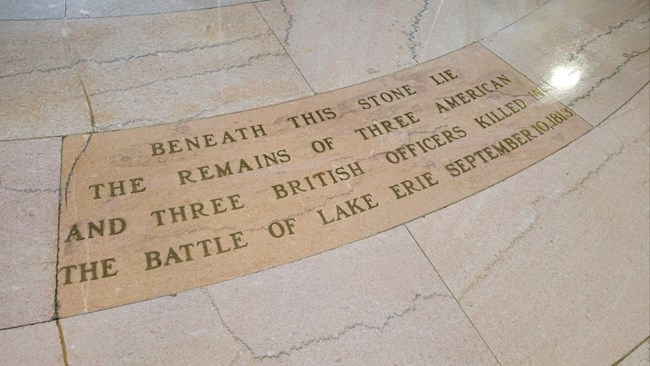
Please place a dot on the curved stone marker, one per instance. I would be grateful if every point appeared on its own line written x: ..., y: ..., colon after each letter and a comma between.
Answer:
x: 153, y: 211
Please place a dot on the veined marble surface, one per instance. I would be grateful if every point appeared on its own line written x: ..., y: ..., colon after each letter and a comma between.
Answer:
x: 549, y: 267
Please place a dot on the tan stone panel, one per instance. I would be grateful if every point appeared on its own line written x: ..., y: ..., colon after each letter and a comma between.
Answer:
x: 41, y: 94
x: 388, y: 36
x: 111, y: 8
x: 554, y: 262
x: 252, y: 206
x: 181, y: 329
x: 29, y: 174
x: 156, y: 69
x: 377, y: 301
x: 591, y: 55
x: 37, y: 344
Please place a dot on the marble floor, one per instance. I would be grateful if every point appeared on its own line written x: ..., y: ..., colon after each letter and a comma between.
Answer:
x: 550, y: 266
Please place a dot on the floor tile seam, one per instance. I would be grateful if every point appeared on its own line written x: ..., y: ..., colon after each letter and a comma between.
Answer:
x: 618, y: 362
x: 622, y: 105
x: 132, y: 15
x: 69, y: 176
x: 516, y: 21
x: 64, y: 350
x: 25, y: 325
x: 452, y: 295
x: 285, y: 50
x: 55, y: 315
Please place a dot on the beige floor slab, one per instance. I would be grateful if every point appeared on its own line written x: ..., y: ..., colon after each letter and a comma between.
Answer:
x: 639, y: 357
x: 33, y: 9
x: 111, y: 8
x: 239, y: 199
x: 552, y: 264
x: 181, y: 329
x: 374, y: 302
x: 593, y: 58
x: 371, y: 39
x: 156, y: 69
x: 29, y: 200
x: 41, y: 94
x: 37, y: 344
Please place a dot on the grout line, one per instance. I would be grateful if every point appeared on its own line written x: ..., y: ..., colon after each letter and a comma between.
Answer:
x: 58, y: 239
x: 630, y: 352
x: 622, y: 105
x: 81, y: 82
x: 26, y: 325
x: 62, y: 340
x: 452, y: 295
x: 285, y: 50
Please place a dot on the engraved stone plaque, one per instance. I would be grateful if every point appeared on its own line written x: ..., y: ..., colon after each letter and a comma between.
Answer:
x: 153, y: 211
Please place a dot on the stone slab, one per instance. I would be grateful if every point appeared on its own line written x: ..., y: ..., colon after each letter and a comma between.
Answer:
x: 172, y: 330
x: 594, y: 58
x: 37, y: 344
x: 41, y: 93
x: 388, y: 36
x: 268, y: 185
x: 29, y: 201
x: 165, y: 68
x: 376, y: 301
x: 552, y: 265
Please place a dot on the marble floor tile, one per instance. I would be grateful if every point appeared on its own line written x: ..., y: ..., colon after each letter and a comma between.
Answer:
x: 593, y: 56
x: 552, y: 265
x: 29, y: 202
x: 37, y: 344
x: 371, y: 39
x: 166, y: 68
x: 373, y: 302
x: 41, y: 94
x: 111, y: 8
x: 173, y: 330
x: 640, y: 356
x: 36, y: 9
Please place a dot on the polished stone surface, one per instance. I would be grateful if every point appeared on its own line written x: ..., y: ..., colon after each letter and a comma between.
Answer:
x: 29, y: 200
x: 592, y: 63
x: 36, y: 9
x: 38, y: 344
x: 165, y: 68
x: 471, y: 156
x: 41, y: 94
x: 390, y: 308
x: 549, y: 266
x: 566, y: 240
x: 176, y: 329
x: 387, y: 37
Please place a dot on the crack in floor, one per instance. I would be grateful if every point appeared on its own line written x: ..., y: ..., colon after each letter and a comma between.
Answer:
x: 388, y: 319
